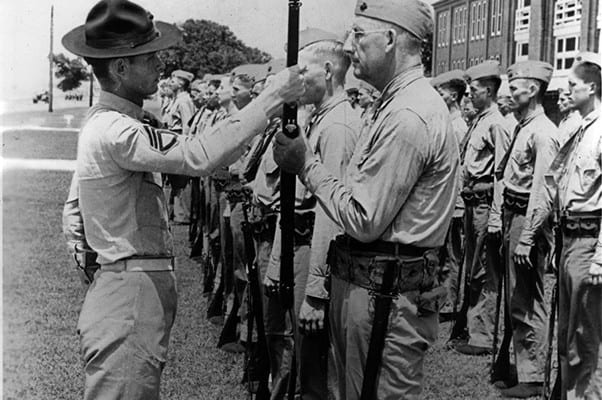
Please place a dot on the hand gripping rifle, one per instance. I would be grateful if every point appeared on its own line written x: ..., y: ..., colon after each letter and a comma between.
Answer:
x: 287, y: 189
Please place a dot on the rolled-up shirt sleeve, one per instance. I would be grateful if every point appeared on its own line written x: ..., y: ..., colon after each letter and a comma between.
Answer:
x: 144, y: 148
x: 73, y: 223
x: 500, y: 141
x: 388, y: 168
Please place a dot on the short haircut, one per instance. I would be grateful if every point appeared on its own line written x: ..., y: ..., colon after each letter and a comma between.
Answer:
x: 589, y: 73
x: 246, y: 80
x: 493, y: 83
x: 543, y: 88
x: 100, y: 67
x: 329, y: 50
x: 216, y: 83
x: 458, y: 86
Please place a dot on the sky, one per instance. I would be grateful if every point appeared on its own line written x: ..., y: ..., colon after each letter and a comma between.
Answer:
x: 25, y: 29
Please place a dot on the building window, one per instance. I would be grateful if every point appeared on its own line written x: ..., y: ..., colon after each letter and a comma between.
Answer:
x: 473, y: 20
x: 496, y: 17
x: 567, y: 12
x: 523, y: 15
x: 566, y: 50
x: 522, y: 51
x: 442, y: 30
x: 464, y: 23
x: 459, y: 23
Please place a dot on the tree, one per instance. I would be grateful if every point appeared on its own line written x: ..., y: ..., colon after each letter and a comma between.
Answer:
x: 73, y: 72
x: 209, y: 47
x: 427, y: 54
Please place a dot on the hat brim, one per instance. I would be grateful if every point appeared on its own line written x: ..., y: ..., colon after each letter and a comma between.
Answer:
x: 75, y: 42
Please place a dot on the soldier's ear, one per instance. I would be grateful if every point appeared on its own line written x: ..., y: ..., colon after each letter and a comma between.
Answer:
x: 328, y: 69
x: 391, y: 36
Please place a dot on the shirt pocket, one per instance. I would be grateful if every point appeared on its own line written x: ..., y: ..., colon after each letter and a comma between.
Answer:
x: 151, y: 208
x: 589, y: 171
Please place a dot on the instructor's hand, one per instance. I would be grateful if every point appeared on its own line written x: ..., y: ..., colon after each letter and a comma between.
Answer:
x: 311, y: 315
x: 270, y: 286
x: 287, y: 86
x: 521, y: 255
x: 595, y: 274
x: 291, y: 154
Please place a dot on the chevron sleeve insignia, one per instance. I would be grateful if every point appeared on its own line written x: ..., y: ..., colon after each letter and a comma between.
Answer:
x: 161, y: 140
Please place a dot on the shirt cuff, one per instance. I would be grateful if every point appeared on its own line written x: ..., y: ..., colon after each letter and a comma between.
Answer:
x: 312, y: 173
x: 316, y: 287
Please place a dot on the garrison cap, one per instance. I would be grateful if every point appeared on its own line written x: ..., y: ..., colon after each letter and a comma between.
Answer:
x: 180, y: 73
x: 448, y: 77
x: 415, y: 16
x: 589, y: 57
x: 197, y: 84
x: 313, y: 35
x: 531, y: 69
x: 486, y: 69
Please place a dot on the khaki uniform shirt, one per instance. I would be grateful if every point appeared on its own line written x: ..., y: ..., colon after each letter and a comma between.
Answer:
x: 336, y: 126
x: 569, y: 124
x: 575, y: 178
x: 180, y: 113
x: 460, y: 130
x: 488, y: 141
x: 402, y: 178
x: 116, y: 188
x: 532, y: 153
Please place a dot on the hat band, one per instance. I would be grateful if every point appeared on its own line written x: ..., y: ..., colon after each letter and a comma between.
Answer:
x: 128, y: 43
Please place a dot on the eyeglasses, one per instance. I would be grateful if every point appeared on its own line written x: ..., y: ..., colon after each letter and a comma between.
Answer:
x: 356, y: 35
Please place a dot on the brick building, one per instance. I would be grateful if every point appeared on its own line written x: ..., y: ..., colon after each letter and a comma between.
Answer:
x: 468, y: 32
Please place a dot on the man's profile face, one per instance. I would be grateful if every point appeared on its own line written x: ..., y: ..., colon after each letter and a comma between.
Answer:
x: 505, y: 104
x: 478, y: 95
x: 579, y: 90
x: 241, y: 94
x: 565, y: 104
x: 446, y: 94
x: 520, y: 90
x: 366, y: 49
x: 143, y: 74
x: 364, y: 98
x: 314, y: 77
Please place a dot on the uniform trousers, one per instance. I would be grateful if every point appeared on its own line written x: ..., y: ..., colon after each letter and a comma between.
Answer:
x: 451, y: 268
x: 525, y: 294
x: 124, y: 328
x: 411, y: 330
x: 481, y: 277
x: 579, y: 322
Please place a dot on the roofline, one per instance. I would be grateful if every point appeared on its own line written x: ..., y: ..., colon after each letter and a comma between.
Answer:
x: 442, y: 3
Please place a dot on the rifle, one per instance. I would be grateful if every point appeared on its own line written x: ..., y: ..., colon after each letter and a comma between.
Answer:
x: 258, y: 362
x: 549, y: 393
x: 287, y: 191
x: 500, y: 362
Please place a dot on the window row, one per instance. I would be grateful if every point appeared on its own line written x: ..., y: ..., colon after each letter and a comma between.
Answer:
x: 460, y: 24
x: 478, y: 19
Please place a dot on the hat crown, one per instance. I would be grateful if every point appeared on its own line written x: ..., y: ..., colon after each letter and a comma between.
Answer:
x: 119, y: 23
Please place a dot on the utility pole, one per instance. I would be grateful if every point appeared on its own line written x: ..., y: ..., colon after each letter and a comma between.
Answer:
x: 50, y: 57
x: 91, y: 87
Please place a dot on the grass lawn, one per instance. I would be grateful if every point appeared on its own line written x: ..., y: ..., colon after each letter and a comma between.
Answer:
x: 43, y: 296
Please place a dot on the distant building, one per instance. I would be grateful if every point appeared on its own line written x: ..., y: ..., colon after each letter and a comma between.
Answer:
x: 468, y: 32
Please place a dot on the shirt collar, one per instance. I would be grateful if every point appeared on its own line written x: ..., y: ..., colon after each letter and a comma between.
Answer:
x: 532, y: 115
x: 329, y: 105
x: 120, y: 104
x: 591, y: 117
x: 401, y: 81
